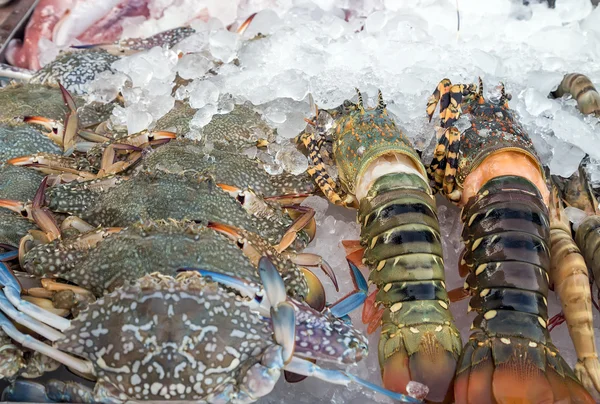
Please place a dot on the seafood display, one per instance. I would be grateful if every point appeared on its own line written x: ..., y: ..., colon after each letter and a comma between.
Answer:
x: 196, y: 199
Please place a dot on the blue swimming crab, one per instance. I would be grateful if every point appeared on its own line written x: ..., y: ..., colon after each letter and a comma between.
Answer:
x: 75, y: 70
x: 115, y: 201
x: 199, y: 336
x: 103, y: 259
x: 34, y: 100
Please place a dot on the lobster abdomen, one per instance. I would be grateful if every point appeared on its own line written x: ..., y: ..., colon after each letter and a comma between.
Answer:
x: 400, y: 229
x: 510, y: 356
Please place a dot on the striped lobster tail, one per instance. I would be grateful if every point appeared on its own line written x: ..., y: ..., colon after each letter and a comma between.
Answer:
x: 400, y: 231
x: 510, y: 355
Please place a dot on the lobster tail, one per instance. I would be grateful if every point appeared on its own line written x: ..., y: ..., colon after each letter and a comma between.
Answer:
x: 510, y: 356
x: 581, y: 89
x: 419, y: 340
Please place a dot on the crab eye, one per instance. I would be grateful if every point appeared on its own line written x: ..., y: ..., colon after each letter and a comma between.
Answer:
x: 240, y: 242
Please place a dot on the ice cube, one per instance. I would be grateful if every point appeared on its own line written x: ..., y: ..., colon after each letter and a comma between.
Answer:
x: 292, y: 161
x: 137, y: 120
x: 225, y: 104
x: 544, y: 81
x: 375, y: 22
x: 463, y: 123
x: 264, y: 22
x: 291, y: 84
x: 417, y: 390
x: 536, y: 102
x: 318, y: 204
x: 203, y: 116
x: 106, y: 86
x: 203, y: 92
x: 293, y: 125
x: 224, y: 45
x: 193, y: 66
x: 250, y: 152
x: 566, y: 159
x: 575, y: 215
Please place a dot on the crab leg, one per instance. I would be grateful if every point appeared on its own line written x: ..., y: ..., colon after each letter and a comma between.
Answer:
x: 314, y: 260
x: 26, y: 391
x: 284, y: 324
x: 28, y: 341
x: 354, y: 299
x: 306, y: 368
x: 12, y: 292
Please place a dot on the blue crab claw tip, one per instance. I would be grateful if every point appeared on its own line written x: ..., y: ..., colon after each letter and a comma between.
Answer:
x: 7, y: 279
x: 284, y: 327
x: 359, y: 279
x: 272, y: 282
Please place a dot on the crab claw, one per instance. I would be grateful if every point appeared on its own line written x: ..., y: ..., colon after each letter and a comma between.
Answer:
x: 55, y: 128
x: 245, y: 24
x: 51, y: 164
x: 71, y: 122
x: 316, y: 292
x: 314, y: 260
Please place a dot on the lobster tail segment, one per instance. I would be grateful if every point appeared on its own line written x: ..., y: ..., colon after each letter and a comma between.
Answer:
x: 510, y: 357
x: 400, y: 230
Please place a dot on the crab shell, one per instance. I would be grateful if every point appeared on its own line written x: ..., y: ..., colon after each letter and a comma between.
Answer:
x: 167, y: 245
x: 154, y: 196
x: 225, y: 167
x: 191, y: 339
x: 74, y: 70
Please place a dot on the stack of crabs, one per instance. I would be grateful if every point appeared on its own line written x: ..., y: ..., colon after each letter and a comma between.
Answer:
x: 164, y: 269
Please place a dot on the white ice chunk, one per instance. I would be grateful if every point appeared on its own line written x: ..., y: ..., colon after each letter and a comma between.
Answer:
x: 224, y: 45
x: 106, y: 86
x: 318, y: 204
x: 293, y: 125
x: 193, y: 66
x: 544, y: 81
x: 291, y: 84
x: 137, y: 120
x: 292, y: 161
x: 203, y: 92
x: 575, y: 215
x: 536, y: 102
x: 566, y: 159
x: 375, y: 22
x: 264, y: 22
x: 203, y: 116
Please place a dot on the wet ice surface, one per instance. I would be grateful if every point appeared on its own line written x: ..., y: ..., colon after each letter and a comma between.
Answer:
x: 404, y: 48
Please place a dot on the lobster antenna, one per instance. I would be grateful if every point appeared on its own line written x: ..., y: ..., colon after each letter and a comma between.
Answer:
x: 380, y: 104
x: 503, y: 96
x: 360, y: 99
x: 457, y: 20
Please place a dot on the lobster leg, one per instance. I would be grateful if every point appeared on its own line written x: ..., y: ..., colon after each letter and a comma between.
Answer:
x: 569, y: 274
